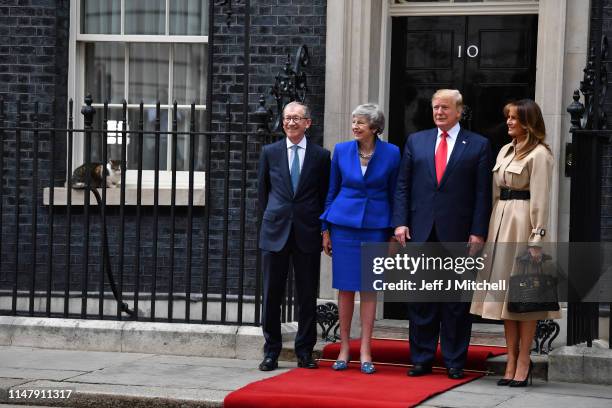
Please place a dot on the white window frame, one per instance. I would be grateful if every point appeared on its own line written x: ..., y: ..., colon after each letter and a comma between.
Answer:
x: 76, y: 89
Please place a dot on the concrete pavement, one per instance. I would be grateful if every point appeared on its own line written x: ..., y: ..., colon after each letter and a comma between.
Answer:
x: 115, y: 379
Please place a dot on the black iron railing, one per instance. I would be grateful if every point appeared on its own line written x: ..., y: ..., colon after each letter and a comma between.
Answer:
x: 133, y: 255
x: 585, y: 170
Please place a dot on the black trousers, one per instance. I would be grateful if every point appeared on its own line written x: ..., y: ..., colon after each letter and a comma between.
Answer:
x: 275, y: 266
x: 449, y: 321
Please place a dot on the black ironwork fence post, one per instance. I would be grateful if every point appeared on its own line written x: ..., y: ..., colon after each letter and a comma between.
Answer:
x: 34, y: 208
x: 585, y: 209
x: 261, y: 117
x: 576, y: 110
x: 88, y: 113
x: 17, y: 201
x: 50, y: 217
x: 1, y: 173
x: 69, y: 134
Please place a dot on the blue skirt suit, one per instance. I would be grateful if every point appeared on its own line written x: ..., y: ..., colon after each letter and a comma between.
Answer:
x: 358, y: 207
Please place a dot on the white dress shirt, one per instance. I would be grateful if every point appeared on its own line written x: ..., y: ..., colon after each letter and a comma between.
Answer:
x: 450, y: 140
x: 301, y: 152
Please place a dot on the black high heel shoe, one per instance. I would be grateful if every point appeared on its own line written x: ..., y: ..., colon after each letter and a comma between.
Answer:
x: 504, y: 381
x: 523, y: 383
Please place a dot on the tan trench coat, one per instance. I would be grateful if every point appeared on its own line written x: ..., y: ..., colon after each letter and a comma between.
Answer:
x: 515, y: 221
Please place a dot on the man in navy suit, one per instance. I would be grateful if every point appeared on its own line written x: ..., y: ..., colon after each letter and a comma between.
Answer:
x: 443, y: 194
x: 293, y: 179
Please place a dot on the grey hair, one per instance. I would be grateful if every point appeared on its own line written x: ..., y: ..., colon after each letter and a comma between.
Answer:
x: 451, y: 94
x: 305, y: 108
x: 376, y: 118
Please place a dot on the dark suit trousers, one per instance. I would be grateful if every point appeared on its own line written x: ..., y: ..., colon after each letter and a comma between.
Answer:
x: 275, y: 267
x: 449, y: 321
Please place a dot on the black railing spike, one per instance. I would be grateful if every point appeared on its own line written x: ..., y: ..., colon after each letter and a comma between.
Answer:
x: 70, y: 110
x: 261, y: 116
x: 576, y: 110
x: 88, y: 111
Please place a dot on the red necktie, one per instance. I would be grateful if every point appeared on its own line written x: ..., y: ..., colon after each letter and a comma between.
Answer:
x: 441, y: 154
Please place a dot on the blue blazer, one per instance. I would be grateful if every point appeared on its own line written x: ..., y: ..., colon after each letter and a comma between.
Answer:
x: 461, y: 205
x: 361, y: 201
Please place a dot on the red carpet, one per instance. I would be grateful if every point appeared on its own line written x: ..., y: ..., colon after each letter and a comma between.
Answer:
x: 389, y: 387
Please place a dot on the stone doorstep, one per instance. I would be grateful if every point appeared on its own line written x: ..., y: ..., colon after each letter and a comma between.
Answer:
x: 495, y: 365
x: 481, y: 334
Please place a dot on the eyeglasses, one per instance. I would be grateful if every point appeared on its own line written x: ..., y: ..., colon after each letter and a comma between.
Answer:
x: 296, y: 119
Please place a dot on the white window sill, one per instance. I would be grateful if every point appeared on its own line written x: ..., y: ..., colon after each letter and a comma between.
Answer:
x: 113, y: 196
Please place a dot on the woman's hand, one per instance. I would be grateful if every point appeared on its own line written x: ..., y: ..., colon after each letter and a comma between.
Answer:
x: 402, y: 234
x: 327, y: 245
x: 536, y: 253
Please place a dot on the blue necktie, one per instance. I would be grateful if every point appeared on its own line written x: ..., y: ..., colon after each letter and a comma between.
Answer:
x: 295, y: 168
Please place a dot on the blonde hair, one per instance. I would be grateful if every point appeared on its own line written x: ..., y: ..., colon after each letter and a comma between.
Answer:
x: 530, y: 118
x: 450, y: 94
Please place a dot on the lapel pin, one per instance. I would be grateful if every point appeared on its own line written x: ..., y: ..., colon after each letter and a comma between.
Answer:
x: 464, y: 142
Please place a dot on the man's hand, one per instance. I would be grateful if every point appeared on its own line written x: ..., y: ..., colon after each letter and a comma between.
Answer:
x: 327, y: 246
x: 402, y: 233
x: 475, y: 242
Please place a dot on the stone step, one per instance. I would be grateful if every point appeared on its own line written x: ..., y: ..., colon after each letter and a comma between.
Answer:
x: 482, y: 333
x: 495, y: 365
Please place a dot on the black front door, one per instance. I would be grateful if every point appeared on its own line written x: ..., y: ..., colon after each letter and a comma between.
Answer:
x: 490, y: 59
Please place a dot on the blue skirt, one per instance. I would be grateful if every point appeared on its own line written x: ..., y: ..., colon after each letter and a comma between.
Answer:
x: 346, y: 254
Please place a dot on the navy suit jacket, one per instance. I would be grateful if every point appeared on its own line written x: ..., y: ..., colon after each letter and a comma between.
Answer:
x: 362, y: 201
x: 460, y: 205
x: 280, y: 209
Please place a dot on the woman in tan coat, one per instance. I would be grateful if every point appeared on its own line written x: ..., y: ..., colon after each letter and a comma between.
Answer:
x: 521, y: 189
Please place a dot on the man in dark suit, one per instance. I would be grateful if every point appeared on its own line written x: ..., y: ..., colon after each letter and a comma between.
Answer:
x: 293, y: 179
x: 443, y: 194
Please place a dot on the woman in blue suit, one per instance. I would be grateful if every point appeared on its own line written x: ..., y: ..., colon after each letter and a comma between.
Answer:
x: 358, y: 209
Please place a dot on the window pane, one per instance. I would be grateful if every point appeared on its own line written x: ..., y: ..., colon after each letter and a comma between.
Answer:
x: 189, y: 17
x: 145, y: 17
x: 148, y: 156
x: 114, y: 136
x: 182, y: 146
x: 183, y: 141
x: 190, y: 73
x: 101, y: 17
x: 149, y: 73
x: 105, y: 72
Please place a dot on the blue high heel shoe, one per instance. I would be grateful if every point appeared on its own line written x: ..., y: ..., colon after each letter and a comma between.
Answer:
x: 340, y: 365
x: 367, y: 367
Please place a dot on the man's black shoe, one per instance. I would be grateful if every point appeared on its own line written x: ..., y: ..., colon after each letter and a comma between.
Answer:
x: 455, y: 373
x: 307, y: 362
x: 268, y: 364
x: 419, y: 370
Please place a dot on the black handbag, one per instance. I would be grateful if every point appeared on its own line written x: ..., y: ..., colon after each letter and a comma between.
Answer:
x: 532, y: 290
